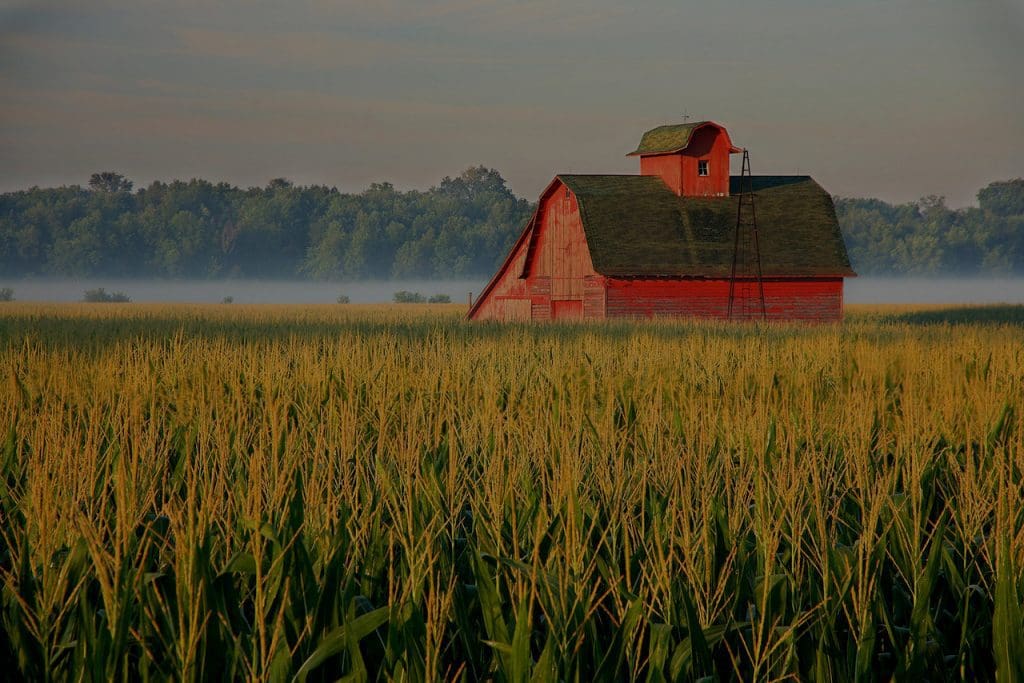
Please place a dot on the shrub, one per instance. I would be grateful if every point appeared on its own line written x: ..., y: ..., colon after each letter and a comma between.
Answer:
x: 101, y: 296
x: 405, y: 297
x: 228, y: 300
x: 6, y: 294
x: 343, y: 299
x: 439, y: 299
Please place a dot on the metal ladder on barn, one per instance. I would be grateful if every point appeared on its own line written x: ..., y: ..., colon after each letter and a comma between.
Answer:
x: 746, y: 266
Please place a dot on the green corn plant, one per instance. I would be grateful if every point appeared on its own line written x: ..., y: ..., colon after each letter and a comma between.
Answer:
x: 355, y: 493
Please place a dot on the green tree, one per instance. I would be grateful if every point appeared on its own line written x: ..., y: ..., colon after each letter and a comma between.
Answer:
x: 1003, y: 198
x: 109, y: 181
x: 81, y: 250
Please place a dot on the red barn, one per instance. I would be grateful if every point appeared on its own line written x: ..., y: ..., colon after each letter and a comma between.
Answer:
x: 661, y: 243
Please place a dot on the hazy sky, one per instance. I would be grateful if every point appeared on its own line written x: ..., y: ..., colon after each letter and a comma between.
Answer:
x: 894, y: 99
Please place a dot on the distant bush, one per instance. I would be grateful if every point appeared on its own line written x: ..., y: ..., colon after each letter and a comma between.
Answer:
x: 6, y: 294
x: 343, y: 299
x: 404, y: 297
x: 101, y: 296
x: 228, y: 300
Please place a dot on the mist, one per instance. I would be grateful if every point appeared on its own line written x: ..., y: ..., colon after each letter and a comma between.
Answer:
x: 241, y: 291
x: 920, y: 290
x: 858, y: 290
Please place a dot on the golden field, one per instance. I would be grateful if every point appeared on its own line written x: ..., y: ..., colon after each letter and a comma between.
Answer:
x: 391, y: 493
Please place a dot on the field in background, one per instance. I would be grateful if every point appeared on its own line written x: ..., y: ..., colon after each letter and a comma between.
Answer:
x: 269, y: 492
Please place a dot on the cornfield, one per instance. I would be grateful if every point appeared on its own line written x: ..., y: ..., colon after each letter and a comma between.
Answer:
x: 390, y: 493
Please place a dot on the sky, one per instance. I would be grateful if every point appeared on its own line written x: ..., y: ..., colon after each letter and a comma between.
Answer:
x: 897, y: 99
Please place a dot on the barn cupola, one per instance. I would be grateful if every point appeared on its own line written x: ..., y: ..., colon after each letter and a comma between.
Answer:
x: 691, y: 158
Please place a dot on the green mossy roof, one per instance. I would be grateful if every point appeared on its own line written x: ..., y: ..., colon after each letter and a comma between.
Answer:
x: 665, y: 139
x: 637, y: 227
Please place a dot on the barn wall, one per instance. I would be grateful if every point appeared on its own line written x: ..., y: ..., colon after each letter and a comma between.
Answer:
x: 557, y: 265
x: 668, y: 166
x: 560, y: 261
x: 819, y: 299
x: 594, y: 296
x: 712, y: 144
x: 540, y: 297
x: 510, y: 297
x: 561, y: 251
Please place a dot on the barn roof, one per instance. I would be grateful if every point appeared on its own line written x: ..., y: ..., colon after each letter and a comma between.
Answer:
x: 664, y: 139
x: 636, y: 227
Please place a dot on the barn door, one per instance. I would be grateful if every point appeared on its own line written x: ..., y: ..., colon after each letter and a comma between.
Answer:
x: 567, y: 309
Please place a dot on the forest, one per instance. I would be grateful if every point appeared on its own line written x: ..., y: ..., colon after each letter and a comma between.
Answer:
x: 460, y: 228
x: 928, y: 238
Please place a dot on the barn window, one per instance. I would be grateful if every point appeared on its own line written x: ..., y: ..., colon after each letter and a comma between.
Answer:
x: 702, y: 167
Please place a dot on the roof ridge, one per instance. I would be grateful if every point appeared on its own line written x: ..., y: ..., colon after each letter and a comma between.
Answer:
x: 602, y: 175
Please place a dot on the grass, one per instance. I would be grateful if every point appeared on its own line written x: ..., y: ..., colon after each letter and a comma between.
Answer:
x: 308, y: 493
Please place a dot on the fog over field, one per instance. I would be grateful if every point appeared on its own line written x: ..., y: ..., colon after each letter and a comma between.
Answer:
x: 242, y: 291
x: 913, y: 290
x: 859, y: 290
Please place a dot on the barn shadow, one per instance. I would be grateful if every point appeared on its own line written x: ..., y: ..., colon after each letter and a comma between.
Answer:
x: 1000, y: 314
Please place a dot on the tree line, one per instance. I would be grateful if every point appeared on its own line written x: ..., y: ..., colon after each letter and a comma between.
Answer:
x: 198, y: 229
x: 926, y: 237
x: 463, y: 227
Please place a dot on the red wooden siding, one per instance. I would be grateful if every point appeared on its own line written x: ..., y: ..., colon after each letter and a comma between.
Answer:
x: 668, y: 166
x: 507, y: 296
x: 817, y: 299
x: 567, y: 309
x: 555, y: 264
x: 561, y: 251
x: 712, y: 145
x: 540, y: 297
x: 559, y: 260
x: 594, y: 297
